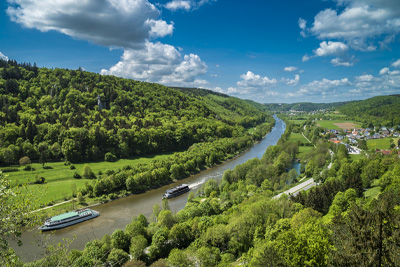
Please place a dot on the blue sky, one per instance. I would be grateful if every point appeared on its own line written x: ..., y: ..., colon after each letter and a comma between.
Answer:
x: 268, y: 51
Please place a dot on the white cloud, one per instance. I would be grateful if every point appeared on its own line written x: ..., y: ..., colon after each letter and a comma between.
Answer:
x: 3, y: 57
x: 160, y: 63
x: 323, y: 86
x: 303, y: 26
x: 384, y: 71
x: 340, y: 62
x: 365, y: 78
x: 251, y: 80
x: 126, y: 23
x: 305, y: 58
x: 291, y: 68
x: 396, y: 64
x: 176, y: 4
x: 361, y: 24
x: 330, y: 48
x: 293, y: 82
x: 186, y: 5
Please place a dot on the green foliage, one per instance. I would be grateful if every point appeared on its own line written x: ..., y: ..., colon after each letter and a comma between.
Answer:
x: 110, y: 157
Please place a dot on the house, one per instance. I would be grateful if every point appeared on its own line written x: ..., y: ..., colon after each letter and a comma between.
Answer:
x: 384, y: 152
x: 396, y: 134
x: 376, y: 136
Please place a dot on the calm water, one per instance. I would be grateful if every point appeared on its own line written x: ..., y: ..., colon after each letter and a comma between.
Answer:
x: 117, y: 214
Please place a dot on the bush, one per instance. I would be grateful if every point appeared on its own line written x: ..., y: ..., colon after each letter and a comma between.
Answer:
x: 40, y: 180
x: 87, y: 172
x: 110, y: 157
x: 112, y: 196
x: 9, y: 169
x: 67, y: 163
x: 77, y: 175
x: 24, y: 161
x: 47, y: 167
x: 29, y: 168
x: 72, y: 167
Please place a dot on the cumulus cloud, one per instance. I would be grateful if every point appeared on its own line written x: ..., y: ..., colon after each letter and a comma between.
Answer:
x: 396, y: 64
x: 305, y: 58
x: 321, y: 87
x: 3, y: 57
x: 291, y: 68
x: 186, y: 5
x: 330, y: 48
x: 293, y: 82
x: 384, y: 71
x: 303, y: 26
x: 341, y: 62
x: 251, y: 80
x: 160, y: 63
x: 175, y: 5
x: 126, y: 23
x: 361, y: 24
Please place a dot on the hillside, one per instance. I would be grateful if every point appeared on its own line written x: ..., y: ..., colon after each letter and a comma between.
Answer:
x: 242, y: 112
x: 49, y: 114
x: 303, y: 106
x: 375, y: 111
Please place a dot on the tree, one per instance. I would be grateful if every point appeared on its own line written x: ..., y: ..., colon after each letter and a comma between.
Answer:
x: 24, y: 161
x: 16, y: 208
x: 117, y: 257
x: 120, y: 240
x: 166, y: 218
x: 138, y: 245
x: 177, y: 258
x: 87, y: 172
x: 44, y: 152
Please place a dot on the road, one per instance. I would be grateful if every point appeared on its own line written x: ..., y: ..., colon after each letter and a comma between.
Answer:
x: 295, y: 190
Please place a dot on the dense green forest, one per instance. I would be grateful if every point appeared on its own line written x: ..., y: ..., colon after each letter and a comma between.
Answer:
x: 375, y: 111
x: 237, y: 221
x: 228, y: 108
x: 303, y: 106
x: 53, y: 114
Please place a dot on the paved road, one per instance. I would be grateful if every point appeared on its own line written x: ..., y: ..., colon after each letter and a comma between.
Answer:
x: 295, y: 190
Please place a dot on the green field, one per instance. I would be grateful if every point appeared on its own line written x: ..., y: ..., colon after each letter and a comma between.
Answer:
x: 252, y: 129
x: 330, y: 124
x: 60, y: 178
x: 297, y: 122
x: 380, y: 143
x: 298, y: 137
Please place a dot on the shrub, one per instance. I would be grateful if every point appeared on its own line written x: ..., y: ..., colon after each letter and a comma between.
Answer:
x: 77, y: 175
x: 112, y: 196
x: 67, y: 163
x: 9, y: 169
x: 24, y: 161
x: 87, y: 172
x: 110, y: 157
x: 29, y: 168
x: 47, y: 167
x: 72, y: 167
x: 40, y: 180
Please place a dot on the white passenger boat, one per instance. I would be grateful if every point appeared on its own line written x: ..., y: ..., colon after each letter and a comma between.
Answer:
x: 68, y: 219
x: 176, y: 191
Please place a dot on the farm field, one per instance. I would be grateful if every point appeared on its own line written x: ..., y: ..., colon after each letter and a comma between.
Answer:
x: 380, y: 143
x: 60, y: 179
x: 298, y: 137
x: 338, y: 124
x: 297, y: 122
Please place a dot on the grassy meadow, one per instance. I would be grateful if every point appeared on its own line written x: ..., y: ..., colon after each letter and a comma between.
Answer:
x: 60, y: 179
x: 338, y: 124
x: 383, y: 143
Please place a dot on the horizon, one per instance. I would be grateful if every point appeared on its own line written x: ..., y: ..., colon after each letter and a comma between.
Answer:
x: 283, y: 52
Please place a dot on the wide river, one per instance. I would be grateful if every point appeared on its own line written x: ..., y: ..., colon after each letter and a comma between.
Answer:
x: 117, y: 214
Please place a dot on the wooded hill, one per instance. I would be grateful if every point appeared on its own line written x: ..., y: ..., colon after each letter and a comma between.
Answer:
x: 303, y: 106
x: 375, y: 111
x: 49, y: 114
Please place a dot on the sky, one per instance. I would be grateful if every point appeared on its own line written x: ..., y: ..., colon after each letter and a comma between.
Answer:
x: 283, y: 51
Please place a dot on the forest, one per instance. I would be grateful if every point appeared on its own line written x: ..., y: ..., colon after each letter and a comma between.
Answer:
x: 238, y: 221
x: 53, y: 114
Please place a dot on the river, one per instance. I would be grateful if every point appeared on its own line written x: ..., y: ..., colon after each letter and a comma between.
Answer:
x: 117, y: 214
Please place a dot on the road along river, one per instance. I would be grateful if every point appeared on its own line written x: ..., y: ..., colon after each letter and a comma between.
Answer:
x: 117, y: 214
